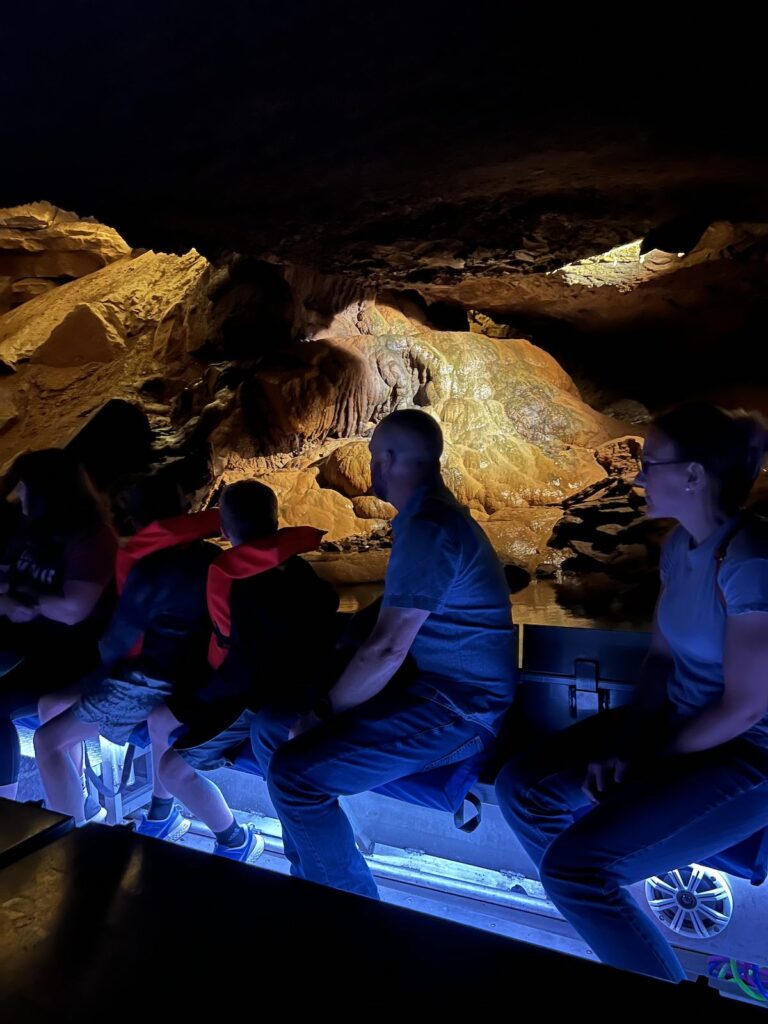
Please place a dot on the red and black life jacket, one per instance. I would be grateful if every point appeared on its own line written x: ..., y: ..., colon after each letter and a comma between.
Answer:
x: 241, y: 562
x: 178, y: 531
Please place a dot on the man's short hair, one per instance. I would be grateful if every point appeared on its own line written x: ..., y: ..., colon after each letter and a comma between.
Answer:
x: 249, y: 509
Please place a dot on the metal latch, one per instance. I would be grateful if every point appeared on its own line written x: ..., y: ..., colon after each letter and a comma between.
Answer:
x: 585, y: 674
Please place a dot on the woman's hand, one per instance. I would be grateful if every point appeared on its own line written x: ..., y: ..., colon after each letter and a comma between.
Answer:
x: 17, y: 612
x: 23, y: 613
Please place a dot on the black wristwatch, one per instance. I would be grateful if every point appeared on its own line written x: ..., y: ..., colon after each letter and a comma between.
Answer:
x: 323, y: 709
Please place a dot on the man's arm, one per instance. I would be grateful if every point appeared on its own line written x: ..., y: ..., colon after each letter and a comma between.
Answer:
x: 378, y: 658
x: 374, y: 664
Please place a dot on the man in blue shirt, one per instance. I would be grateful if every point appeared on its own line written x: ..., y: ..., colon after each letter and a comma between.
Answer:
x: 446, y: 603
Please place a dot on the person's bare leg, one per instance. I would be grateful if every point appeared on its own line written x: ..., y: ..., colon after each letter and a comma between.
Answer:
x: 203, y: 798
x: 161, y: 724
x: 54, y: 704
x: 62, y: 781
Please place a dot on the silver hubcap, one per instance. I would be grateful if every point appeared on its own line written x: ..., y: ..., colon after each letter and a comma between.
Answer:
x: 693, y: 901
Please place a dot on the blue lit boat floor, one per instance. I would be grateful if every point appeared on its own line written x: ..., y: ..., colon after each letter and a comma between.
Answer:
x: 527, y: 916
x: 505, y: 905
x: 543, y: 929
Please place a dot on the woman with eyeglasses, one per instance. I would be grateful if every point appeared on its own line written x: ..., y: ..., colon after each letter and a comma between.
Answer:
x: 682, y: 774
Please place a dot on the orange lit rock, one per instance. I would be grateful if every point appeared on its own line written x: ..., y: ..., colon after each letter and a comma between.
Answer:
x: 348, y: 469
x: 136, y: 293
x: 621, y: 457
x: 369, y: 507
x: 343, y: 569
x: 26, y: 288
x: 38, y: 240
x: 520, y: 536
x: 9, y: 414
x: 83, y: 336
x: 76, y: 347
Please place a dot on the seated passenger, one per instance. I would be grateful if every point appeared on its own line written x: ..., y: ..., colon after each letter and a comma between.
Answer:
x: 682, y: 774
x: 55, y: 595
x: 446, y: 602
x: 273, y: 635
x: 154, y: 647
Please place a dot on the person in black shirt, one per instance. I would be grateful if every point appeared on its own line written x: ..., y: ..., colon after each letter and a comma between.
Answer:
x: 153, y: 647
x: 55, y: 575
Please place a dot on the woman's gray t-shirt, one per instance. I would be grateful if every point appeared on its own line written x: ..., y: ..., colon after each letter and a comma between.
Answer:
x: 696, y: 600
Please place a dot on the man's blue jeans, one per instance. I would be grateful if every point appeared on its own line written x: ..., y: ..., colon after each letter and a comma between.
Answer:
x: 665, y: 815
x: 390, y: 736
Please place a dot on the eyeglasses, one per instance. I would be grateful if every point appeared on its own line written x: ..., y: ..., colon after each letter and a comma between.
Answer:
x: 646, y: 464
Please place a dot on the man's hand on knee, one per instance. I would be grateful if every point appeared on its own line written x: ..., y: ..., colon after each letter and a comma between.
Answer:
x: 603, y: 776
x: 304, y: 724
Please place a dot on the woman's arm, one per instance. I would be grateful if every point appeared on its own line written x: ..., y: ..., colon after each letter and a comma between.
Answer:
x: 17, y: 611
x: 78, y: 600
x: 745, y: 697
x: 88, y: 567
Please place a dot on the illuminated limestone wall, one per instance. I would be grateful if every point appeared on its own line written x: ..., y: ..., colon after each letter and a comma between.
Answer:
x: 249, y: 367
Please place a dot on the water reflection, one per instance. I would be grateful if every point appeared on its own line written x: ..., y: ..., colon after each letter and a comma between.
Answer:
x: 595, y: 601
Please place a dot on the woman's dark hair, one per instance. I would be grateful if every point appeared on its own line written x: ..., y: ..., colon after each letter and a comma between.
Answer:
x: 60, y: 497
x: 153, y: 497
x: 729, y: 445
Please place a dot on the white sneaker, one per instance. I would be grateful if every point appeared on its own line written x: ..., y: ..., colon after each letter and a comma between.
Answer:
x: 93, y: 812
